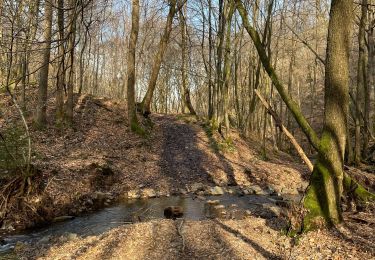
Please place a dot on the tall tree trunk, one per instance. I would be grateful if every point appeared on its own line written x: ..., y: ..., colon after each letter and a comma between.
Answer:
x: 230, y: 8
x: 132, y: 116
x: 328, y: 179
x: 361, y: 82
x: 41, y: 109
x: 30, y: 37
x: 82, y: 64
x: 371, y: 71
x: 184, y: 61
x: 210, y: 85
x: 146, y: 102
x: 326, y: 186
x: 219, y: 62
x: 71, y: 48
x: 61, y: 63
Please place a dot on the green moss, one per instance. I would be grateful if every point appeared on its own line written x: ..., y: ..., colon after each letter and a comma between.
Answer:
x: 38, y: 126
x: 293, y: 233
x: 136, y: 128
x: 316, y: 200
x: 224, y: 145
x: 187, y: 118
x: 361, y: 194
x: 264, y: 156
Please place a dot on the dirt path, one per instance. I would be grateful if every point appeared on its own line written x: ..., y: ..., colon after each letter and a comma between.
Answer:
x: 180, y: 155
x: 100, y: 156
x: 251, y: 238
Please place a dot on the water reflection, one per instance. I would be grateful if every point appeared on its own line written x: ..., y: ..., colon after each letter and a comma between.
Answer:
x: 138, y: 210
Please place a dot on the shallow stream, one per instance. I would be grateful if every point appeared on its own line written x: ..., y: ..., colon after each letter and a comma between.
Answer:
x: 126, y: 212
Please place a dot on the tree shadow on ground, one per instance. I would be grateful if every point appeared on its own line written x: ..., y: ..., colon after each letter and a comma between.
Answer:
x: 264, y: 252
x: 358, y: 235
x: 181, y: 157
x: 228, y: 169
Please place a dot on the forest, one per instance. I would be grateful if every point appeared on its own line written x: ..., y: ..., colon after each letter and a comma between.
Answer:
x: 192, y: 129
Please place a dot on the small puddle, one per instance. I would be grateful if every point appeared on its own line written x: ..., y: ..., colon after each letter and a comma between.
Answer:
x: 126, y: 211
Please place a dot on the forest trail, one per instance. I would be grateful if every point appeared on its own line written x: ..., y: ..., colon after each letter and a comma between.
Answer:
x: 250, y: 238
x: 178, y: 152
x: 102, y: 157
x: 95, y: 175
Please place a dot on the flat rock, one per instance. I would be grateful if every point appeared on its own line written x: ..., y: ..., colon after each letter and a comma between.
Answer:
x: 62, y: 218
x: 162, y: 194
x: 212, y: 202
x: 133, y: 194
x: 216, y: 191
x: 148, y: 193
x: 68, y: 237
x: 197, y: 186
x: 290, y: 191
x: 183, y: 191
x: 256, y: 189
x: 220, y: 206
x: 270, y: 211
x: 100, y: 196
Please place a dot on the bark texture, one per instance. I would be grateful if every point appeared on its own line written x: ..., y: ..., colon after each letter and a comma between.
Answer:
x: 41, y: 110
x: 132, y: 115
x: 61, y: 64
x: 186, y: 94
x: 326, y: 185
x: 146, y: 103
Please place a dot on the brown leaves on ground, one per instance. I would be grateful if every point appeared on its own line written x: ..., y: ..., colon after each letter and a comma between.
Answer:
x: 175, y: 153
x: 100, y: 153
x: 251, y: 238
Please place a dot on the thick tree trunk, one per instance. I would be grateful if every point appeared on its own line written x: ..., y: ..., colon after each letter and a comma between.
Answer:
x: 326, y: 186
x: 132, y: 115
x: 328, y: 179
x: 146, y: 102
x: 41, y: 109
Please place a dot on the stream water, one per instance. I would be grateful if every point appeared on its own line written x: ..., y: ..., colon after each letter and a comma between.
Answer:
x: 124, y: 212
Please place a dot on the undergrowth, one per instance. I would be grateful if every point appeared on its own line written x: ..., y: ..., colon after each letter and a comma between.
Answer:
x: 13, y: 150
x: 224, y: 144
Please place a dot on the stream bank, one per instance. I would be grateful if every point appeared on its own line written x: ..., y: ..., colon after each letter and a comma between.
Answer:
x: 132, y: 211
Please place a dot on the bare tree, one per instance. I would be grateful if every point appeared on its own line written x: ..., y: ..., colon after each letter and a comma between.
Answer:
x: 132, y: 115
x: 41, y: 112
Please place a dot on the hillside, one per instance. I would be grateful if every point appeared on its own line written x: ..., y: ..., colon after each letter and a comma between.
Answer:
x: 100, y: 155
x: 100, y: 162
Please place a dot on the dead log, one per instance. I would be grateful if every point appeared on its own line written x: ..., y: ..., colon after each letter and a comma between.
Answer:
x: 280, y: 125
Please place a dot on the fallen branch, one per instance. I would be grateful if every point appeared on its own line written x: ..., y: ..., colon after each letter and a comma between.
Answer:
x: 279, y: 124
x: 179, y: 231
x: 102, y: 106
